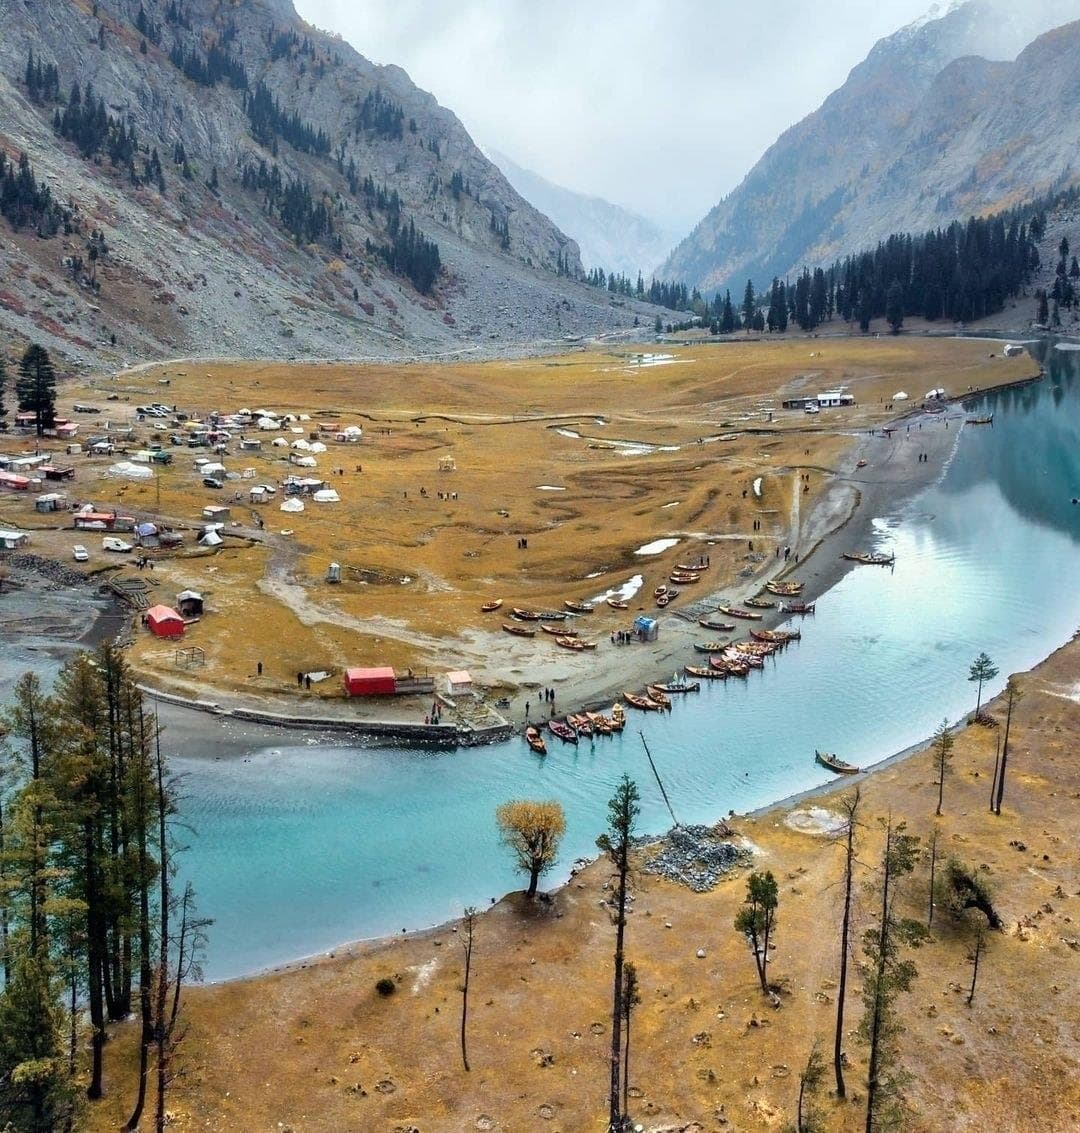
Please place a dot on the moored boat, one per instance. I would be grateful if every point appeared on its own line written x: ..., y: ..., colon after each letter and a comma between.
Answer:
x: 875, y: 558
x: 736, y: 612
x: 779, y: 636
x: 803, y: 608
x: 710, y: 646
x: 644, y: 703
x: 657, y: 694
x: 618, y: 717
x: 552, y: 615
x: 679, y: 684
x: 494, y: 604
x: 618, y: 604
x: 578, y: 607
x: 580, y: 723
x: 524, y: 615
x: 761, y: 603
x: 535, y: 740
x: 784, y: 589
x: 563, y: 730
x: 834, y: 763
x: 720, y: 627
x: 987, y: 420
x: 569, y: 643
x: 558, y: 631
x: 519, y: 631
x: 707, y: 673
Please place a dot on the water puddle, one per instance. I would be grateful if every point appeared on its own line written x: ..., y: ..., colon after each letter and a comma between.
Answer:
x: 621, y: 593
x: 549, y: 488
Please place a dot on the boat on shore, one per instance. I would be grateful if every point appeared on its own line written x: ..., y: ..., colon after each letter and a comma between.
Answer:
x: 524, y: 615
x: 618, y: 717
x: 678, y: 684
x: 760, y: 604
x: 662, y: 600
x: 873, y: 558
x: 535, y: 740
x: 656, y: 694
x: 684, y: 577
x: 643, y: 703
x: 779, y: 636
x: 563, y: 730
x: 580, y: 723
x: 686, y: 568
x: 569, y: 643
x: 519, y: 631
x: 720, y: 627
x: 708, y: 674
x: 784, y: 589
x: 710, y: 646
x: 558, y: 631
x: 578, y: 607
x: 736, y: 612
x: 835, y: 763
x: 802, y: 608
x: 618, y: 604
x: 494, y: 604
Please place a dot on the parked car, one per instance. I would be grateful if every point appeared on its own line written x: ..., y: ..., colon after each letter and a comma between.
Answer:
x: 111, y: 543
x: 80, y: 554
x: 213, y: 482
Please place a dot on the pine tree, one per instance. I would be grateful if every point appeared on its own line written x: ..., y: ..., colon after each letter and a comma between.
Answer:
x: 36, y: 387
x: 894, y: 306
x: 749, y: 305
x: 3, y: 389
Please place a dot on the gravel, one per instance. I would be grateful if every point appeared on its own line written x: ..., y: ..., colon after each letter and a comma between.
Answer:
x: 695, y: 856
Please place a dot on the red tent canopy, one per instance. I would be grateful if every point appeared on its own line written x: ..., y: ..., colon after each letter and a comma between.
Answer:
x: 370, y: 682
x: 164, y: 621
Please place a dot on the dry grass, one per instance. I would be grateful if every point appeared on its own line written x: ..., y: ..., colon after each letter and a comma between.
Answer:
x: 267, y: 599
x: 317, y: 1049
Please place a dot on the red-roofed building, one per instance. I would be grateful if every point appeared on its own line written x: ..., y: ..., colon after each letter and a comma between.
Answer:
x: 370, y: 682
x: 163, y: 621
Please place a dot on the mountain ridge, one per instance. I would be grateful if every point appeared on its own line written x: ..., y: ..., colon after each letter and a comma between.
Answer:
x: 829, y: 184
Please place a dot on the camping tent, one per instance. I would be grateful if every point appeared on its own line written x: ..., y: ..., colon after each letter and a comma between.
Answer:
x: 189, y: 603
x: 129, y: 471
x: 901, y: 396
x: 211, y: 538
x: 163, y: 621
x: 326, y: 496
x: 293, y: 505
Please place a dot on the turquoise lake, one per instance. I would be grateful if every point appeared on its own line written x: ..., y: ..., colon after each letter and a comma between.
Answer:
x: 299, y: 847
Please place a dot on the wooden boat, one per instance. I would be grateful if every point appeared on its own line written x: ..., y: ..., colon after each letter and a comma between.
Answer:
x: 710, y: 646
x: 720, y: 627
x: 618, y: 604
x: 782, y: 636
x: 618, y: 717
x: 708, y: 674
x: 661, y: 589
x: 569, y: 643
x: 644, y: 703
x: 761, y: 603
x: 552, y: 615
x: 728, y: 667
x: 600, y: 723
x: 683, y: 577
x: 785, y: 589
x: 519, y: 631
x: 563, y: 730
x: 672, y: 592
x: 875, y: 558
x: 558, y: 631
x: 580, y: 723
x: 988, y: 420
x: 578, y: 607
x: 662, y: 600
x: 494, y: 604
x: 535, y: 740
x: 736, y: 612
x: 803, y: 608
x: 588, y: 644
x: 688, y: 569
x: 747, y: 659
x: 861, y: 463
x: 834, y: 763
x: 679, y: 684
x: 525, y: 615
x: 661, y: 697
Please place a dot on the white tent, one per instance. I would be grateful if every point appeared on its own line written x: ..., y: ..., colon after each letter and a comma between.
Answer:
x: 316, y: 446
x: 280, y: 442
x: 266, y: 423
x: 293, y: 505
x: 295, y: 428
x: 302, y: 445
x: 212, y: 469
x: 306, y: 462
x: 326, y: 496
x: 130, y: 471
x: 211, y: 539
x: 901, y: 396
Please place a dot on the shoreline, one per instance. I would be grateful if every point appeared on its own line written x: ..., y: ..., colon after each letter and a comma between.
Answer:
x: 846, y: 507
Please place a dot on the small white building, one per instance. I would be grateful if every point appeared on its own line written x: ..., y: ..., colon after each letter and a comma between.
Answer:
x: 834, y: 399
x: 1013, y: 350
x: 13, y: 540
x: 459, y: 683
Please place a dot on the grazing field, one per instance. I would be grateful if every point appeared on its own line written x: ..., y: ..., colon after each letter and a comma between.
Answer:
x: 638, y: 446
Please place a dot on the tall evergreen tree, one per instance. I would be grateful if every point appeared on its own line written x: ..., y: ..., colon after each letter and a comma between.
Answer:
x: 749, y: 305
x: 36, y: 387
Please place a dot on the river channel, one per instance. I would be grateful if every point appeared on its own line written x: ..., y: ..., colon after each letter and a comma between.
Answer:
x: 298, y: 847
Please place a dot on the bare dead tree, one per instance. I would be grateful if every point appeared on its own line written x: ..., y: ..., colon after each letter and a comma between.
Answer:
x: 1013, y: 695
x: 850, y: 806
x: 467, y: 945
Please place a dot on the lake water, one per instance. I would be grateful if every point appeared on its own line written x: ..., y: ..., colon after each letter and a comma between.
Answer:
x: 299, y: 848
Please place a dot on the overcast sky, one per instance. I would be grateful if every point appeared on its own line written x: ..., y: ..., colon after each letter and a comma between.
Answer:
x: 659, y: 106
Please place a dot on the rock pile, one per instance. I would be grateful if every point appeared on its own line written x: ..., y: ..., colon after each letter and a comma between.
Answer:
x: 59, y: 576
x: 696, y: 857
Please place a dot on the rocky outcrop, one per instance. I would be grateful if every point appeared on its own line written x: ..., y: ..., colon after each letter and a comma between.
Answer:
x: 935, y: 124
x: 199, y: 262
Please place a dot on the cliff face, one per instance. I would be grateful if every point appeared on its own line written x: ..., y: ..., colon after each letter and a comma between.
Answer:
x: 221, y: 254
x: 926, y: 129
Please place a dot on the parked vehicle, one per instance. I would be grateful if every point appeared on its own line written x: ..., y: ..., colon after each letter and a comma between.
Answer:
x: 111, y: 543
x: 213, y: 482
x: 80, y: 554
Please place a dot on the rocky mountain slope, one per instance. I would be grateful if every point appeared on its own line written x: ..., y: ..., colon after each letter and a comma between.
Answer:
x: 249, y: 185
x: 934, y: 124
x: 609, y: 236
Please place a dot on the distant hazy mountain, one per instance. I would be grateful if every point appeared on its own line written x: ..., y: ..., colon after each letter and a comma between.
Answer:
x: 933, y: 125
x: 609, y: 236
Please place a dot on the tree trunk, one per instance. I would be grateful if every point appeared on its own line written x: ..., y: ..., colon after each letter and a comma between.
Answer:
x: 933, y: 863
x: 845, y: 930
x: 1004, y: 758
x: 469, y: 915
x: 626, y: 1065
x: 534, y: 879
x: 94, y: 961
x: 975, y: 967
x: 615, y: 1117
x: 142, y: 834
x: 5, y: 954
x: 874, y: 1068
x: 163, y: 1030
